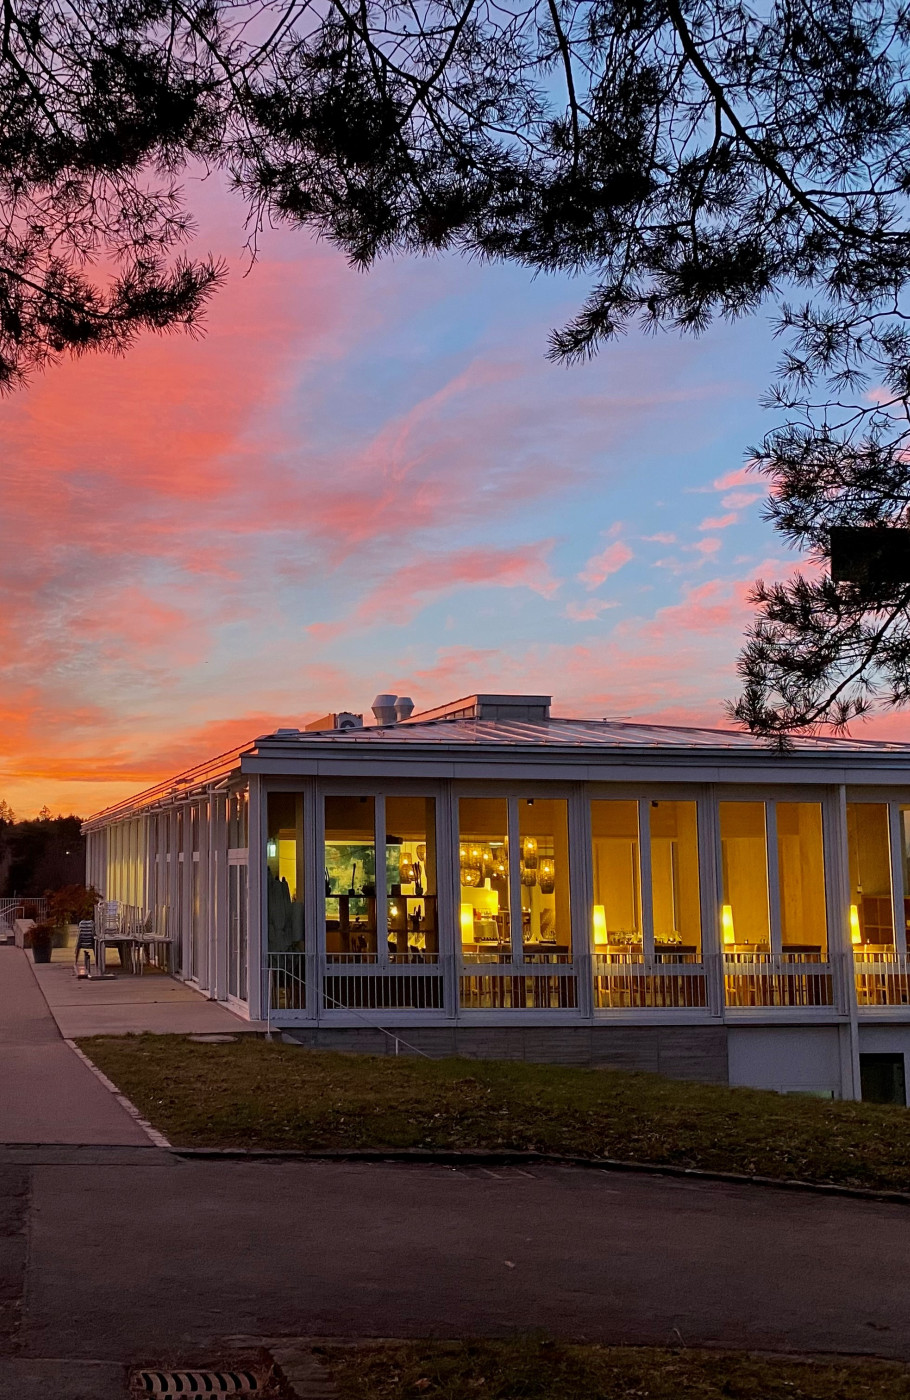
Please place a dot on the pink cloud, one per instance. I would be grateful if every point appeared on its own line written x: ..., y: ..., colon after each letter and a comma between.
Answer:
x: 588, y: 611
x: 719, y: 522
x: 660, y: 538
x: 738, y: 500
x: 707, y: 546
x: 739, y: 477
x: 600, y: 566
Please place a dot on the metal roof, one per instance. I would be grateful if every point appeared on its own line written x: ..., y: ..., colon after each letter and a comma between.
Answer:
x: 608, y: 736
x: 601, y: 734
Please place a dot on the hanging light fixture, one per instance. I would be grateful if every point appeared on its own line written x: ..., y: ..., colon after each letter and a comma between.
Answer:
x: 528, y: 877
x: 547, y: 876
x: 470, y: 877
x: 529, y: 852
x: 488, y: 860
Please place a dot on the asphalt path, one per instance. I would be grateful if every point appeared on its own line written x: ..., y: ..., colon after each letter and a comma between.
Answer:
x: 143, y: 1256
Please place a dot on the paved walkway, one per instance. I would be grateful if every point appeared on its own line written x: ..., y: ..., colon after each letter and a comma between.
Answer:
x: 47, y: 1095
x: 129, y: 1005
x: 146, y: 1256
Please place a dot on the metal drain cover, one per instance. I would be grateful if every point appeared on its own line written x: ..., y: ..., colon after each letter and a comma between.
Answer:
x: 234, y: 1382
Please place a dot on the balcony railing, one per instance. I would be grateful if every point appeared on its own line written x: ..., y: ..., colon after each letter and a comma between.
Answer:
x: 537, y: 987
x: 648, y: 981
x: 770, y: 979
x: 883, y: 980
x: 287, y: 981
x: 374, y: 988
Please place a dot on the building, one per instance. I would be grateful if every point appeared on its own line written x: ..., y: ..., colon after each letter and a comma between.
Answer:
x: 594, y: 892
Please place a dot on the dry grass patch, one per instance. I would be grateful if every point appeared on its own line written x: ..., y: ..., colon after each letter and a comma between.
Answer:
x: 533, y: 1370
x: 259, y: 1095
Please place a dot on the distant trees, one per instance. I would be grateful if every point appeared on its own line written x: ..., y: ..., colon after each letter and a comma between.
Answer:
x: 45, y: 853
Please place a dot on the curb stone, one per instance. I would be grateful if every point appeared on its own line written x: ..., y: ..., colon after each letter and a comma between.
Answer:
x: 454, y: 1158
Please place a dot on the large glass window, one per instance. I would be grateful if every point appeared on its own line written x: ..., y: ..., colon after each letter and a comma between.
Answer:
x: 237, y: 932
x: 411, y: 879
x: 483, y: 857
x: 350, y: 879
x: 617, y: 877
x: 869, y: 846
x: 801, y: 872
x: 284, y: 872
x: 745, y: 915
x: 674, y: 879
x: 544, y: 874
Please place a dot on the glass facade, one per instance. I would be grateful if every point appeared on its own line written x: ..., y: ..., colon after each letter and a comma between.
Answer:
x: 616, y: 858
x: 745, y: 908
x: 801, y: 876
x: 675, y: 893
x: 543, y: 868
x: 411, y: 899
x: 483, y: 863
x: 351, y: 931
x: 869, y: 851
x: 284, y: 872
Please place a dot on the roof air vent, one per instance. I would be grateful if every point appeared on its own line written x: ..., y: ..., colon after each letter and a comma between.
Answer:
x: 404, y: 708
x: 383, y: 708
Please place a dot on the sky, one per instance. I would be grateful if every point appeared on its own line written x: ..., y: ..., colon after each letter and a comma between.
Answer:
x: 362, y: 482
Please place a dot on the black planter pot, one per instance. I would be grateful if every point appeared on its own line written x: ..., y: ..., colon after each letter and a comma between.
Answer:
x: 41, y: 950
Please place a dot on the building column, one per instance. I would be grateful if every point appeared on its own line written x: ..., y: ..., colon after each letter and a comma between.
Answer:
x: 257, y: 914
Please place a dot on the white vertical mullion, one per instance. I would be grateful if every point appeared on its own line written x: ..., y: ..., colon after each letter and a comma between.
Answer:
x: 646, y: 891
x: 773, y: 876
x: 581, y: 895
x: 316, y: 933
x: 186, y: 894
x: 382, y: 902
x: 516, y: 923
x: 257, y: 913
x: 448, y: 892
x: 897, y: 878
x: 837, y: 864
x: 220, y: 911
x: 206, y: 885
x: 710, y: 888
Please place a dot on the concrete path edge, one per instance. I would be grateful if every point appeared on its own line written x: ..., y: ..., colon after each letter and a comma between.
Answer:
x: 518, y: 1159
x: 157, y: 1139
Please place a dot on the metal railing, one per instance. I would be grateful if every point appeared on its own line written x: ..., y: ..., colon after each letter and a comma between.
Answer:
x: 533, y: 988
x: 771, y: 979
x: 376, y: 988
x: 287, y: 981
x: 648, y: 981
x: 883, y: 980
x: 23, y: 907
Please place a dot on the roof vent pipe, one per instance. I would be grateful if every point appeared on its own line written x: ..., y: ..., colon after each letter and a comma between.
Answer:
x: 404, y: 708
x: 383, y: 708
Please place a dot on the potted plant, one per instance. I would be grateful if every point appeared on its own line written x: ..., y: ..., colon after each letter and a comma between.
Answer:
x: 66, y: 907
x: 40, y: 938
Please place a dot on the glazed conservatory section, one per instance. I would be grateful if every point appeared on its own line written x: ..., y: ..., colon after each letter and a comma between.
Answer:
x: 425, y: 905
x: 675, y: 908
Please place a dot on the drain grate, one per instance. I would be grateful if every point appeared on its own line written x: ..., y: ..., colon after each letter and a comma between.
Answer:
x: 196, y: 1383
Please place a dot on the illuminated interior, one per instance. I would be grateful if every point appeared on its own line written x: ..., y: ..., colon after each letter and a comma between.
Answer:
x: 617, y: 876
x: 544, y: 879
x: 801, y: 873
x: 483, y: 858
x: 869, y: 852
x: 411, y: 879
x: 745, y: 909
x: 350, y: 879
x: 284, y: 872
x: 674, y: 878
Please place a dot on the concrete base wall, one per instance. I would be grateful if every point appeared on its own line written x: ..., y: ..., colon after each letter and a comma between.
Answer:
x: 680, y: 1052
x: 789, y: 1059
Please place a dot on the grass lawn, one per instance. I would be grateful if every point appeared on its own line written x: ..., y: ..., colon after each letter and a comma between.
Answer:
x: 251, y: 1093
x: 531, y: 1370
